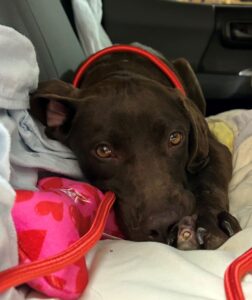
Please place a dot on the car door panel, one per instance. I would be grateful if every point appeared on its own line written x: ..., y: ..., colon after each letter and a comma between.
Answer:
x: 215, y: 39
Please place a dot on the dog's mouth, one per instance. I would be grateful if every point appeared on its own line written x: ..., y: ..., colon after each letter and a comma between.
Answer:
x: 181, y: 235
x: 172, y: 236
x: 139, y: 233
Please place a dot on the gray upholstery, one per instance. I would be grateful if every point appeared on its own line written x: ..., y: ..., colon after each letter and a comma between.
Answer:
x: 46, y: 24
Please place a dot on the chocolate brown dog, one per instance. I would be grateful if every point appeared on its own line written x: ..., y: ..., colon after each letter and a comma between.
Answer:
x: 135, y: 134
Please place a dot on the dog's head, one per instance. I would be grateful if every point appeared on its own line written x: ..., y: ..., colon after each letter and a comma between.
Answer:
x: 136, y: 137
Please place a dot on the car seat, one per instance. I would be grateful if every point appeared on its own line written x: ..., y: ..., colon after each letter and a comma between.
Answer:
x: 47, y: 25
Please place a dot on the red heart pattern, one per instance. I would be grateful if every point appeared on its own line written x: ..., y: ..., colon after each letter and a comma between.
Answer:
x: 26, y: 240
x: 56, y: 215
x: 24, y: 196
x: 44, y: 208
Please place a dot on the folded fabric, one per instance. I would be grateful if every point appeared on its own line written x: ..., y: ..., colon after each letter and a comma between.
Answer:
x: 19, y: 69
x: 51, y: 219
x: 4, y: 153
x: 223, y: 132
x: 31, y: 151
x: 8, y: 241
x: 88, y: 15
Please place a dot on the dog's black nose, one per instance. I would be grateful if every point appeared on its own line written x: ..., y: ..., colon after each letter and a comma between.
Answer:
x: 162, y: 229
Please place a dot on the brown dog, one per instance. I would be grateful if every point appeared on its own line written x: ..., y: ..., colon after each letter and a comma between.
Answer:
x: 134, y: 134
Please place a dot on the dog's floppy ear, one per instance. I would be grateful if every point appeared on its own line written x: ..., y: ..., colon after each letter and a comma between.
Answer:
x: 190, y: 83
x: 54, y: 103
x: 198, y: 138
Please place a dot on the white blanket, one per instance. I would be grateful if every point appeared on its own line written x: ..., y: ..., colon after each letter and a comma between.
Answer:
x: 88, y: 16
x: 128, y: 270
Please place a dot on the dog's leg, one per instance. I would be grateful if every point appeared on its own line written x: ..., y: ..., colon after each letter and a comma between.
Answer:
x: 215, y: 224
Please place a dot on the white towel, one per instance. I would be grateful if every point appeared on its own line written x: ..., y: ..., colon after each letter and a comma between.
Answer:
x: 19, y: 69
x: 8, y: 240
x: 88, y: 15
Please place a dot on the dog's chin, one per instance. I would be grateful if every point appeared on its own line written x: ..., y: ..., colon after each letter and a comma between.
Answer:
x: 138, y: 234
x: 131, y: 232
x: 182, y: 235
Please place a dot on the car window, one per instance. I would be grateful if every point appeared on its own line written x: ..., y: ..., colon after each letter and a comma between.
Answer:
x: 222, y: 2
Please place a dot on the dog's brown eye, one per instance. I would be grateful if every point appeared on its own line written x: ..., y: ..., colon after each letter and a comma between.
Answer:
x: 104, y: 151
x: 175, y: 138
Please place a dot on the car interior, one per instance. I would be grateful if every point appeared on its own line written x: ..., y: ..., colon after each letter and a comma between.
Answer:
x: 216, y: 38
x: 199, y: 33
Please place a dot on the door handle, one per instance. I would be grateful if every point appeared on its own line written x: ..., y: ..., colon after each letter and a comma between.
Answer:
x: 241, y: 31
x: 246, y: 73
x: 237, y: 34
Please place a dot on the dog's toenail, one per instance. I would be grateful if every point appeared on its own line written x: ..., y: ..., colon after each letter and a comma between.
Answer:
x: 201, y: 233
x: 186, y: 235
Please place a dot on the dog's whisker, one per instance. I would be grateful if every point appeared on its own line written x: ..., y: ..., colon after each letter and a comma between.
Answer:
x: 110, y: 236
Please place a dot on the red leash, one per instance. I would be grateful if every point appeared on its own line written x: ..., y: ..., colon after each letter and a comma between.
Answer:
x: 234, y: 274
x: 139, y: 51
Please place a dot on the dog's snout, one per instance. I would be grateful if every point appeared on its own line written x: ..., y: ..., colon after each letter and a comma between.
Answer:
x: 161, y: 228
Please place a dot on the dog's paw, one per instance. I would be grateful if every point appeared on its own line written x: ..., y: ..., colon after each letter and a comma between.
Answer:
x: 186, y: 234
x: 213, y: 231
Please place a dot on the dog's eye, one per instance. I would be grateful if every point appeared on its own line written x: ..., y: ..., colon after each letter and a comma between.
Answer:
x: 175, y: 138
x: 104, y: 151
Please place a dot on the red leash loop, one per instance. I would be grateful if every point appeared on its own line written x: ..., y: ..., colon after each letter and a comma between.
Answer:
x: 127, y: 48
x: 26, y: 272
x: 234, y: 274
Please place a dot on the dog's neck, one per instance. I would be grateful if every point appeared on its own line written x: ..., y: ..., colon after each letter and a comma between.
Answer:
x: 126, y: 60
x: 122, y: 65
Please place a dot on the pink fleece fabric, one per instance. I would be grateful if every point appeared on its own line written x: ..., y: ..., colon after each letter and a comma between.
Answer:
x: 48, y: 221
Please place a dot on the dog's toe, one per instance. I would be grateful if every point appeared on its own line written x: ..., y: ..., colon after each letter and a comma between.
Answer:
x: 201, y: 235
x: 186, y: 238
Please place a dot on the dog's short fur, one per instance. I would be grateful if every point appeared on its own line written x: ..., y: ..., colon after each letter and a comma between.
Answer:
x: 125, y: 124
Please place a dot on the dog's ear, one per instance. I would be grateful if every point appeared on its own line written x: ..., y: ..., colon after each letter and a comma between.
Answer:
x: 198, y: 137
x: 54, y: 103
x: 190, y: 83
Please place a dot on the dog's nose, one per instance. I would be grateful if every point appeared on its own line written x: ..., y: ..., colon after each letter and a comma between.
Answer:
x: 162, y: 229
